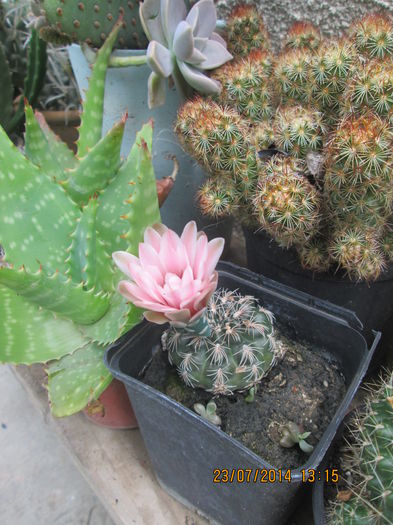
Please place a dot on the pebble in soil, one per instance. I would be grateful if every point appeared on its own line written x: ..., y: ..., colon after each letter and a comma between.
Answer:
x: 305, y: 387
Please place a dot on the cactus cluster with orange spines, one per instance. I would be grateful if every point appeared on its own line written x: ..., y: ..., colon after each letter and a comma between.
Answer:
x: 324, y: 110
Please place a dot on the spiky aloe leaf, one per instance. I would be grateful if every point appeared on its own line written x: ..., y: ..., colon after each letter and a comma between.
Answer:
x: 58, y: 149
x: 36, y: 215
x: 57, y: 293
x: 120, y: 317
x: 32, y: 335
x: 97, y: 168
x: 36, y: 147
x: 77, y: 379
x: 93, y: 106
x: 130, y: 204
x: 6, y: 90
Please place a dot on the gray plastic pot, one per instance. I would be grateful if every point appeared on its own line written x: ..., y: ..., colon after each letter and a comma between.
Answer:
x: 126, y: 90
x: 185, y: 449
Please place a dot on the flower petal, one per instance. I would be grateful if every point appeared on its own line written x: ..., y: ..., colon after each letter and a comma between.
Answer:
x: 159, y: 59
x: 155, y: 317
x: 207, y: 18
x: 183, y: 41
x: 124, y: 260
x: 214, y: 252
x: 155, y: 91
x: 198, y: 80
x: 216, y: 55
x: 149, y: 13
x: 153, y: 238
x: 172, y: 13
x: 189, y: 239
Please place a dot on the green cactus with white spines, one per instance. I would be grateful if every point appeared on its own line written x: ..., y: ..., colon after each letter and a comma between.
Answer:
x: 246, y: 86
x: 298, y: 130
x: 230, y: 348
x: 373, y: 35
x: 303, y: 35
x: 314, y: 255
x: 372, y: 87
x: 263, y: 135
x: 245, y: 31
x: 369, y: 456
x: 286, y: 204
x: 91, y: 22
x: 64, y: 215
x: 291, y: 75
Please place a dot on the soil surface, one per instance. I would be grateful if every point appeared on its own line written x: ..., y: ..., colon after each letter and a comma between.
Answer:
x: 305, y: 387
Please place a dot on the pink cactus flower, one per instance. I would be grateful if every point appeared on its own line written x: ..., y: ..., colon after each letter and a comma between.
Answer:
x: 174, y: 277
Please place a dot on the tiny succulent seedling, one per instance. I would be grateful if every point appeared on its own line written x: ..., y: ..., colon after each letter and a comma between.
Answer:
x: 293, y: 435
x: 208, y: 412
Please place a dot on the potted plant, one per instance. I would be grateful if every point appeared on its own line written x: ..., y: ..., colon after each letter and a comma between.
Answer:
x: 237, y: 345
x: 63, y: 215
x: 131, y: 72
x: 366, y: 494
x: 317, y: 200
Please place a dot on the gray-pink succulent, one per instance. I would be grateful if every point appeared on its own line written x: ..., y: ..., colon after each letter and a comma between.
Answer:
x: 182, y: 45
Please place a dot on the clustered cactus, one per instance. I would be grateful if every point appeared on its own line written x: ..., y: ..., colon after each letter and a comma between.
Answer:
x: 323, y: 109
x: 231, y: 348
x: 369, y: 459
x: 63, y: 215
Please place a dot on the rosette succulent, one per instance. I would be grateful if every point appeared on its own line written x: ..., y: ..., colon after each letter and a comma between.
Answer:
x: 183, y: 46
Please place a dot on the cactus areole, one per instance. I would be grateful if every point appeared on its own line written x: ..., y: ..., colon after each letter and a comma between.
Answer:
x: 219, y: 341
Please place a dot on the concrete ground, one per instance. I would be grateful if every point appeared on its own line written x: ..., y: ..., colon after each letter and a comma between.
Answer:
x: 39, y: 484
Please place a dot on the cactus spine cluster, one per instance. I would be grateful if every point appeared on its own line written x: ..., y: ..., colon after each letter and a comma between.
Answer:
x: 91, y: 21
x: 329, y: 105
x: 63, y: 215
x: 370, y: 459
x: 246, y: 31
x: 231, y: 348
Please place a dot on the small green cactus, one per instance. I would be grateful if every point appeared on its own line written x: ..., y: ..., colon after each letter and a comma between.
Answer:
x: 91, y: 22
x: 303, y: 35
x: 369, y: 458
x: 246, y: 31
x: 287, y: 205
x: 298, y: 130
x: 231, y: 348
x: 246, y: 86
x: 373, y: 35
x: 64, y: 214
x: 291, y: 74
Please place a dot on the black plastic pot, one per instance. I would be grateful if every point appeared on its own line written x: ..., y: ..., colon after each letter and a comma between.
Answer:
x: 185, y: 449
x: 372, y: 303
x: 318, y: 504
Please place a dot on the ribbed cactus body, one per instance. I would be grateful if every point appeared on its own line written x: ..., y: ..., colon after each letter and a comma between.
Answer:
x: 286, y: 204
x: 246, y: 86
x: 230, y: 348
x: 91, y: 21
x: 370, y: 459
x: 298, y: 130
x: 246, y: 31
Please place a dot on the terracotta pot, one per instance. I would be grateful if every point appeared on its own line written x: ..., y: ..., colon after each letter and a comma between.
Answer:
x: 112, y: 409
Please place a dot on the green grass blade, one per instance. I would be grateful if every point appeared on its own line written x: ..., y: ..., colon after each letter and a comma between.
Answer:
x: 6, y: 90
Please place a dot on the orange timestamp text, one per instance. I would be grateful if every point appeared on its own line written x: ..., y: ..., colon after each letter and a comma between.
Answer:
x: 263, y: 475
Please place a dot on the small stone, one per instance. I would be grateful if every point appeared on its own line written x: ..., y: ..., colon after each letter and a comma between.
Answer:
x: 325, y: 383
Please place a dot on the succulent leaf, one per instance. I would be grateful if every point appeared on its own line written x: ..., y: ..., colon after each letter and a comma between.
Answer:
x: 56, y: 292
x: 93, y: 105
x: 129, y: 204
x: 96, y: 169
x: 77, y: 379
x: 46, y: 208
x: 33, y: 335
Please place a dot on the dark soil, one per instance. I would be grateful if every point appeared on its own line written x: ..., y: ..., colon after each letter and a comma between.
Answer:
x: 305, y: 387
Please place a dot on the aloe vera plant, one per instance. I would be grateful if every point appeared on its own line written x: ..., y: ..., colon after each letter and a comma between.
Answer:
x: 63, y: 216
